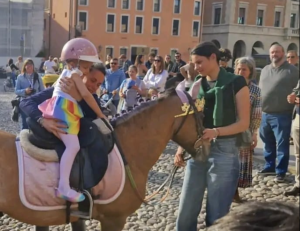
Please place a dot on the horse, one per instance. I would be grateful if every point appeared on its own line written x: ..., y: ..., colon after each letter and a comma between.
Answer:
x: 143, y: 135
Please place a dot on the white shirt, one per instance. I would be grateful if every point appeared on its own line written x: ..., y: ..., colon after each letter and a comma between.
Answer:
x: 157, y: 81
x: 49, y: 67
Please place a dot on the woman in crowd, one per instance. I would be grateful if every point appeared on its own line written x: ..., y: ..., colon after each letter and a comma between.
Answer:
x: 129, y: 90
x: 28, y: 83
x: 218, y: 171
x: 245, y: 67
x: 225, y: 57
x: 141, y: 67
x: 156, y: 77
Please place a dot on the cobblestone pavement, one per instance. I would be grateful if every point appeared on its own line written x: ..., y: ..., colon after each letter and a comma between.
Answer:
x: 159, y: 217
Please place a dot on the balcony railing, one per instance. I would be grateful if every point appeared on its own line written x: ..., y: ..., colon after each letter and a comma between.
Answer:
x: 249, y: 29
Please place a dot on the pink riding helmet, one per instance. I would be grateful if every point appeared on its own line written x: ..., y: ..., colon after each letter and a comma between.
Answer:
x: 81, y: 49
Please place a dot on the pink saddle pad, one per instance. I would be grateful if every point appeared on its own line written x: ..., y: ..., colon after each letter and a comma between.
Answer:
x: 37, y: 181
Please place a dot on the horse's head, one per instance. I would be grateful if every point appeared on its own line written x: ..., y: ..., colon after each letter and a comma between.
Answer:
x: 188, y: 124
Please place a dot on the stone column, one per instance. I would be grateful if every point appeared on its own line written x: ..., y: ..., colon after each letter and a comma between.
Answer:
x: 229, y: 11
x: 287, y: 14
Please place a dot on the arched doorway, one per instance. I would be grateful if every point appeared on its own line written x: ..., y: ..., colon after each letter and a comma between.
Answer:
x: 239, y: 50
x: 217, y: 43
x: 292, y: 46
x: 257, y: 48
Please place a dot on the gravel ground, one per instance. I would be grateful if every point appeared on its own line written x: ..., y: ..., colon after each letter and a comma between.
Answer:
x: 159, y: 217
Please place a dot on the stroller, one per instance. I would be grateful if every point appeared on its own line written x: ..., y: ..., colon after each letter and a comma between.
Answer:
x: 8, y: 84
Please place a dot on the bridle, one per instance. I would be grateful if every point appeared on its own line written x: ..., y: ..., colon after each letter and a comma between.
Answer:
x: 191, y: 106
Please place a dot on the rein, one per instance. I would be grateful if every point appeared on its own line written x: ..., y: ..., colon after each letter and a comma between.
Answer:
x: 192, y: 109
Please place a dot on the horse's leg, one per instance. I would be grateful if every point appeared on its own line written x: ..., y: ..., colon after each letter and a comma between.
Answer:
x: 113, y: 223
x: 1, y: 214
x: 41, y: 228
x: 78, y: 225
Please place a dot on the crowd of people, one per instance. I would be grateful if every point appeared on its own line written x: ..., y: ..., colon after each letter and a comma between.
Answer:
x: 237, y: 111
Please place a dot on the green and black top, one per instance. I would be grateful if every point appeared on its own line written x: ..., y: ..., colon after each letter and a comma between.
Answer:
x: 220, y: 109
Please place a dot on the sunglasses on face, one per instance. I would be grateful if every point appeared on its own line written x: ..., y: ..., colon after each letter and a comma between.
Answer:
x: 177, y: 56
x: 113, y: 63
x: 291, y: 57
x: 156, y: 60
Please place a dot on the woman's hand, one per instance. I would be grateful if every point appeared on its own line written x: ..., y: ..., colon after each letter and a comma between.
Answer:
x: 54, y: 126
x: 209, y: 134
x: 254, y: 141
x: 291, y: 98
x: 178, y: 160
x: 28, y: 91
x: 68, y: 86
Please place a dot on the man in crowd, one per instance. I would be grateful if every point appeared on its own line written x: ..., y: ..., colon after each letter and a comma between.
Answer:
x: 49, y: 66
x: 177, y: 65
x: 113, y: 80
x: 151, y: 57
x: 125, y: 64
x: 292, y: 57
x: 168, y: 63
x: 19, y: 64
x: 277, y: 81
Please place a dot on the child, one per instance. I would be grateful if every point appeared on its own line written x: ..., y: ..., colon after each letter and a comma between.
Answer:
x: 80, y: 53
x: 129, y: 90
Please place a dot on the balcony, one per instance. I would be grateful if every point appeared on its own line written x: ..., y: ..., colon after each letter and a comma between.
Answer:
x: 292, y: 32
x: 246, y: 30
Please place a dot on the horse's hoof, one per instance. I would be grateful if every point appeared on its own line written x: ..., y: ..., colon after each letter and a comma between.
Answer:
x: 1, y: 214
x: 41, y: 228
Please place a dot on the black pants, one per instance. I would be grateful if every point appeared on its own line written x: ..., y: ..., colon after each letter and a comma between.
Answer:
x: 173, y: 81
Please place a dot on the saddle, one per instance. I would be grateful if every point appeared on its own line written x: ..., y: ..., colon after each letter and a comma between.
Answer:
x: 91, y: 161
x: 94, y: 148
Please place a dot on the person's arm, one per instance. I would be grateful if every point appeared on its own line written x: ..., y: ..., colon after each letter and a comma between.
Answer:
x: 86, y: 95
x: 184, y: 70
x: 18, y: 90
x: 144, y: 68
x: 160, y: 81
x: 30, y: 104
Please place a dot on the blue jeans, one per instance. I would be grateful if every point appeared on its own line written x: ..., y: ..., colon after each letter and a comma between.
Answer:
x: 219, y: 174
x: 24, y: 123
x: 275, y: 132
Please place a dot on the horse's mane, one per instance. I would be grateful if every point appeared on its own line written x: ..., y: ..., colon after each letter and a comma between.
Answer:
x: 117, y: 121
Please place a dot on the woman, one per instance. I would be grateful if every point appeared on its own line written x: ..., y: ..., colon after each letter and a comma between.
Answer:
x: 224, y: 59
x: 156, y: 77
x: 129, y: 90
x: 245, y: 67
x: 11, y: 70
x: 141, y: 68
x: 224, y: 93
x: 28, y: 83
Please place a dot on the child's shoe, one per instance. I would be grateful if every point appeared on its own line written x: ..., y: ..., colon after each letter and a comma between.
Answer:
x: 71, y: 195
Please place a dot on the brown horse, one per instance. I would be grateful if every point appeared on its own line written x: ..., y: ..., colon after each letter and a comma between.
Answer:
x: 143, y: 135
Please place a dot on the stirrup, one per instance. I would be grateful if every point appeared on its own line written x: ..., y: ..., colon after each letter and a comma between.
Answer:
x: 87, y: 214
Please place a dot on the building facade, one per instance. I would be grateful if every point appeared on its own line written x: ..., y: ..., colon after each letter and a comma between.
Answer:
x: 250, y: 27
x: 128, y: 27
x: 21, y: 28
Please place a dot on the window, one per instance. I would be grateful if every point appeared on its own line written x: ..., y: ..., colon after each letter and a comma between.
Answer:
x: 139, y: 25
x: 83, y: 20
x: 260, y: 17
x: 293, y: 20
x: 242, y: 15
x: 177, y: 6
x: 154, y: 51
x: 277, y: 19
x: 140, y: 4
x: 156, y: 5
x: 112, y: 3
x: 124, y: 23
x: 123, y: 51
x: 83, y: 2
x: 196, y: 25
x: 155, y: 26
x: 217, y: 15
x: 175, y: 29
x: 125, y: 4
x: 110, y: 23
x: 197, y: 8
x: 110, y: 51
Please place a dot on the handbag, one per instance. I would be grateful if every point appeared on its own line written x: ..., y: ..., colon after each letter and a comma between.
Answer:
x: 244, y: 139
